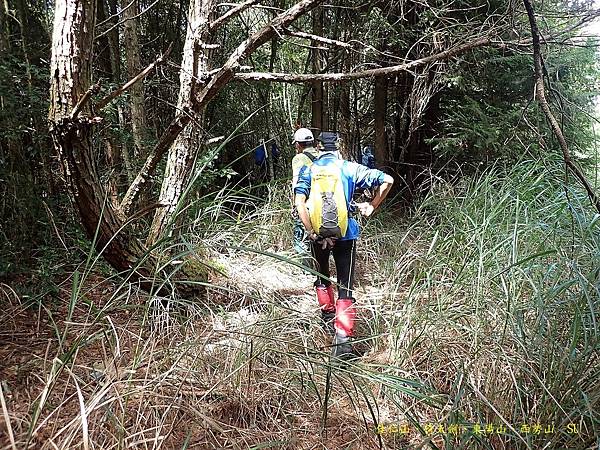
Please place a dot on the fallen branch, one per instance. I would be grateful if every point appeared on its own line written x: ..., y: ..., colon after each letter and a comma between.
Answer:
x: 140, y: 76
x: 540, y: 93
x: 314, y: 37
x: 371, y: 73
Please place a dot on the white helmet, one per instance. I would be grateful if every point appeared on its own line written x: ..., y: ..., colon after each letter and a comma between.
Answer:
x: 303, y: 135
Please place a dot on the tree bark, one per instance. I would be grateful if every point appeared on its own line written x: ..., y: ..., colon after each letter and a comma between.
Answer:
x: 103, y: 53
x: 317, y: 67
x: 182, y: 153
x: 224, y: 75
x: 120, y: 152
x: 134, y: 66
x: 345, y: 112
x: 345, y: 118
x: 540, y: 92
x: 381, y: 142
x: 105, y: 64
x: 357, y: 132
x: 71, y: 124
x: 113, y: 41
x: 4, y: 41
x: 23, y: 16
x: 70, y: 80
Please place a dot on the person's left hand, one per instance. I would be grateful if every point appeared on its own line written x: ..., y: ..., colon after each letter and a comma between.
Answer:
x: 313, y: 236
x: 327, y: 243
x: 365, y: 208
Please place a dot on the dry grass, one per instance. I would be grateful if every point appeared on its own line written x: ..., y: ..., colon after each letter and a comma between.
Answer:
x: 470, y: 316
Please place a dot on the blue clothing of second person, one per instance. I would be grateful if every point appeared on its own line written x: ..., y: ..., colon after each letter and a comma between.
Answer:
x: 260, y: 154
x: 354, y: 176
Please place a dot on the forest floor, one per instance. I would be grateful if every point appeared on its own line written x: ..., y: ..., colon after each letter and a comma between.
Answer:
x: 477, y: 319
x: 93, y: 366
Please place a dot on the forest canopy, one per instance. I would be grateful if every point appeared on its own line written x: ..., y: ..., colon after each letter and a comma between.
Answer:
x: 440, y: 88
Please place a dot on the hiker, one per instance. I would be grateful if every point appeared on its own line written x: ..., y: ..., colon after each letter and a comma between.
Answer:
x: 328, y: 141
x: 367, y: 157
x: 304, y: 142
x: 323, y: 199
x: 261, y: 158
x: 275, y: 153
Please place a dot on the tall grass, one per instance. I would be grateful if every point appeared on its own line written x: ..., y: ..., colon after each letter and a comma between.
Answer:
x: 478, y: 309
x: 499, y: 307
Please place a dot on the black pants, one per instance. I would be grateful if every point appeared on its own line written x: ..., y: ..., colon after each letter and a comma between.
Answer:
x: 344, y: 254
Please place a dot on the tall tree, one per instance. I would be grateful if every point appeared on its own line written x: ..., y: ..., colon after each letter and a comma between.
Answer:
x: 71, y: 128
x: 71, y: 125
x: 381, y: 141
x: 4, y: 41
x: 108, y: 69
x: 317, y: 65
x: 22, y: 18
x: 139, y: 125
x: 182, y: 153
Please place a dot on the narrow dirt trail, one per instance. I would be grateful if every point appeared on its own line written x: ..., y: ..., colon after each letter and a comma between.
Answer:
x: 246, y: 366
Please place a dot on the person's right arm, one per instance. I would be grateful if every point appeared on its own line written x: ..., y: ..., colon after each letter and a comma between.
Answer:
x: 373, y: 179
x: 367, y: 208
x: 304, y: 216
x: 295, y: 171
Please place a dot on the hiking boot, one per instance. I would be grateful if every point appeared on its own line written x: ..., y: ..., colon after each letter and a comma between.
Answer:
x: 345, y: 317
x: 342, y: 348
x: 325, y: 297
x: 327, y: 322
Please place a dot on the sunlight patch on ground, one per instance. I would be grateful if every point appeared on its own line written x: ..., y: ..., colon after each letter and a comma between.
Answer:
x: 264, y: 273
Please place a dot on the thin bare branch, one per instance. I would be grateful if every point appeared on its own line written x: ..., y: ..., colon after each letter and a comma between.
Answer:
x: 540, y: 92
x: 104, y: 33
x: 120, y: 90
x: 209, y: 91
x: 231, y: 13
x: 372, y: 73
x: 316, y: 38
x: 114, y: 16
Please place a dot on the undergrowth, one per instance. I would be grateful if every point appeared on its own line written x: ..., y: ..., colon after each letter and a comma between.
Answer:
x: 478, y: 319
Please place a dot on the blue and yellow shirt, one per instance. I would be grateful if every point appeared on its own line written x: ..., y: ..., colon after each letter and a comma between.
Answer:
x: 354, y: 176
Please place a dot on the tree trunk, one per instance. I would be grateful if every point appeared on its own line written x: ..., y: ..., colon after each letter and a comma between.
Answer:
x: 185, y: 148
x: 345, y: 119
x: 540, y: 93
x: 381, y: 143
x: 4, y: 41
x: 356, y: 135
x: 71, y: 125
x: 105, y: 64
x: 102, y: 51
x: 402, y: 88
x: 70, y: 72
x: 317, y: 66
x: 120, y: 149
x: 204, y: 95
x: 134, y: 66
x: 23, y: 15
